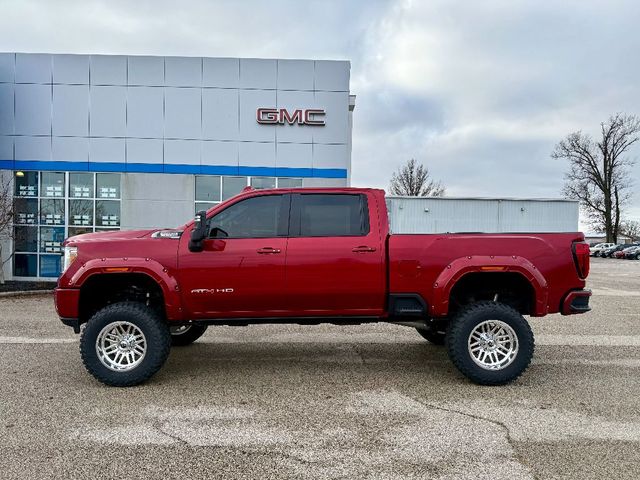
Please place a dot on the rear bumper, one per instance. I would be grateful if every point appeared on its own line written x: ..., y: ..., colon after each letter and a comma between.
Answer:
x: 576, y: 302
x: 67, y: 301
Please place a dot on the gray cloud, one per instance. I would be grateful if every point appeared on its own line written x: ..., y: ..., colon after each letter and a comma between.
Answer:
x: 479, y: 91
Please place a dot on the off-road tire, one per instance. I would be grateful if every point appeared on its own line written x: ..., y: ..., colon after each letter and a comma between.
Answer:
x: 189, y: 336
x: 464, y: 323
x: 156, y: 332
x: 437, y: 337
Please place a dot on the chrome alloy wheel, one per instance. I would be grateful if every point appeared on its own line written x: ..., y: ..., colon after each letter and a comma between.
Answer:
x: 121, y: 346
x: 493, y: 345
x: 180, y: 330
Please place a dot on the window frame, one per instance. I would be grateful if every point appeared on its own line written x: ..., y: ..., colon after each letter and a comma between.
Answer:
x: 295, y: 227
x: 283, y: 224
x: 69, y: 228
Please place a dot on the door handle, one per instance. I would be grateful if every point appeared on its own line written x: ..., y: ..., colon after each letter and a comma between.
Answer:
x: 363, y: 249
x: 268, y: 250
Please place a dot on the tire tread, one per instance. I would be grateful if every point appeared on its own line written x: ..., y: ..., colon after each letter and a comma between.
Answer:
x: 458, y: 352
x: 125, y: 379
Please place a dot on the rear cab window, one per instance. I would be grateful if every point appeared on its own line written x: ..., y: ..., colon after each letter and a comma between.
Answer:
x: 329, y: 215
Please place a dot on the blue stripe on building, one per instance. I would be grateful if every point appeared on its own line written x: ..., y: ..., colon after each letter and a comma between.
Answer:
x: 172, y: 168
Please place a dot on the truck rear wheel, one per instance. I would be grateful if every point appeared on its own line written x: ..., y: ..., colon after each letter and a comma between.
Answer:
x: 124, y: 344
x: 490, y: 343
x: 182, y: 335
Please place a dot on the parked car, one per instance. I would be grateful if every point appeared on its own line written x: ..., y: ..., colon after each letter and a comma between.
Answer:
x: 608, y: 252
x: 632, y: 253
x: 623, y: 252
x: 594, y: 251
x: 310, y: 256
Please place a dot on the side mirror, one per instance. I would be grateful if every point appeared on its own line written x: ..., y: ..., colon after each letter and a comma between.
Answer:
x: 199, y: 232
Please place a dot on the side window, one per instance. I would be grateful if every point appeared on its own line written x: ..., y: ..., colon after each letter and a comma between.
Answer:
x: 331, y: 215
x: 256, y: 217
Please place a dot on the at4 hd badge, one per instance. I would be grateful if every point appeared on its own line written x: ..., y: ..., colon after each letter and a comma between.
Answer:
x: 211, y: 291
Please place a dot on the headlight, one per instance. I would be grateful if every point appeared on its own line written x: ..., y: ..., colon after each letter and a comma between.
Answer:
x: 70, y: 255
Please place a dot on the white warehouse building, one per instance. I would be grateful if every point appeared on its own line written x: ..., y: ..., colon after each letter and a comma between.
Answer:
x: 102, y: 142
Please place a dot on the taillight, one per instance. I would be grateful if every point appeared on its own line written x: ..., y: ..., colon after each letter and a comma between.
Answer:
x: 581, y: 258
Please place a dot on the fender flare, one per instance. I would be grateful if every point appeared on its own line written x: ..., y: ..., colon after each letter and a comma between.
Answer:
x: 146, y: 266
x: 459, y: 267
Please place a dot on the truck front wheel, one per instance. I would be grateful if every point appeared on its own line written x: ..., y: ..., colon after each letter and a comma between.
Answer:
x: 182, y: 335
x: 490, y: 343
x: 124, y: 344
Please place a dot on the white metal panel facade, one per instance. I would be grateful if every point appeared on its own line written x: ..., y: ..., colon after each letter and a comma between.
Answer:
x: 203, y: 102
x: 489, y: 215
x: 165, y: 136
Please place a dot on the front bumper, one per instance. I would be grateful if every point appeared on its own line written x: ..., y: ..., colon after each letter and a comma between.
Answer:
x: 576, y: 302
x: 67, y: 301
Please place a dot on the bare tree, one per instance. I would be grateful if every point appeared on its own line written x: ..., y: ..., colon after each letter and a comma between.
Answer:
x: 415, y: 181
x: 599, y: 171
x: 631, y: 229
x: 6, y: 219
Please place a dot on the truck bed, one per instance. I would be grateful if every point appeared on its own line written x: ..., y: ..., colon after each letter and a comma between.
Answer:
x: 419, y: 263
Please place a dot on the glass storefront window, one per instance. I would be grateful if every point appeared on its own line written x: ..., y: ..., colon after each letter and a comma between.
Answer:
x: 52, y: 184
x: 108, y: 185
x: 232, y: 186
x: 52, y: 212
x: 80, y: 212
x: 51, y: 239
x: 208, y: 189
x: 26, y: 239
x: 107, y: 213
x: 50, y: 206
x: 263, y: 182
x: 26, y: 211
x: 204, y: 206
x: 50, y: 265
x: 25, y: 265
x: 81, y: 185
x: 289, y: 182
x: 26, y: 184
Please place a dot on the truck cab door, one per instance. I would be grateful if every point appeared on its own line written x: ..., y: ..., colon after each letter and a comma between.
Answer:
x: 240, y: 272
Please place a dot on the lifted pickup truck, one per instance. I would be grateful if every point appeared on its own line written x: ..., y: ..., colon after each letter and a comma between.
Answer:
x: 313, y: 256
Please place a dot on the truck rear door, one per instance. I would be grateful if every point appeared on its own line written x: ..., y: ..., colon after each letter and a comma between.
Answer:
x: 335, y: 256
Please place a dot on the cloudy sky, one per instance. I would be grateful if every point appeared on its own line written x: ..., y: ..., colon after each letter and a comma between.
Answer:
x: 478, y: 91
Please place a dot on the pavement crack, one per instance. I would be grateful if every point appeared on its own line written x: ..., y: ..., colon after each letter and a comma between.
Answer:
x: 520, y: 459
x: 172, y: 436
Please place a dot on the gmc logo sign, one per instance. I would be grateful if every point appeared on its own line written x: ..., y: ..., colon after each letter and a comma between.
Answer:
x: 280, y: 116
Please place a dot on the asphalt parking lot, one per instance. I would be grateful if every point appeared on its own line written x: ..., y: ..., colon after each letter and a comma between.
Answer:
x: 371, y: 401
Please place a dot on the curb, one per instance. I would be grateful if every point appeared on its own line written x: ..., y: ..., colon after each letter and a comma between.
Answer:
x: 25, y: 293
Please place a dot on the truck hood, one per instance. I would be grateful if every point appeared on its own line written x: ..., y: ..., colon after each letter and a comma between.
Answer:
x: 117, y: 235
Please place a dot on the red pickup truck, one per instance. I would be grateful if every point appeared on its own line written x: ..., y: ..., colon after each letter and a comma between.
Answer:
x: 310, y: 256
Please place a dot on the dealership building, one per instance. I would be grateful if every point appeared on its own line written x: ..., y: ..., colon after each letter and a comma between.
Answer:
x: 103, y: 142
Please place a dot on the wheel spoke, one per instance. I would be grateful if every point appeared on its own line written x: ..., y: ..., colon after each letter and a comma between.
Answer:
x: 493, y: 344
x: 121, y: 357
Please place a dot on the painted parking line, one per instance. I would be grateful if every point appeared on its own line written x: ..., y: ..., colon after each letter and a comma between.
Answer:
x: 614, y: 292
x: 354, y: 338
x: 589, y: 340
x: 36, y: 340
